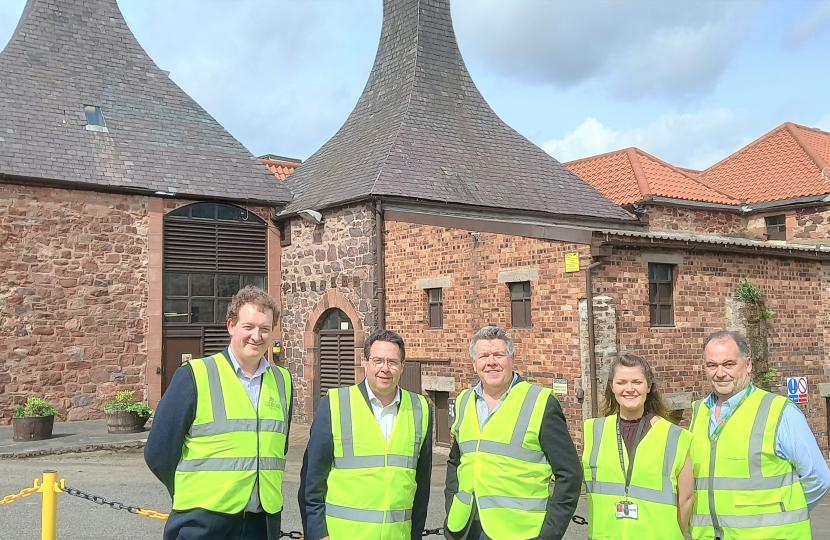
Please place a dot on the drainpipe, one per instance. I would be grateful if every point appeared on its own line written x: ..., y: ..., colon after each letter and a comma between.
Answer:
x: 592, y: 358
x: 381, y: 267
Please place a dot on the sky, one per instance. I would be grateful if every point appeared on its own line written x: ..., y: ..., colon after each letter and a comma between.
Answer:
x: 689, y: 82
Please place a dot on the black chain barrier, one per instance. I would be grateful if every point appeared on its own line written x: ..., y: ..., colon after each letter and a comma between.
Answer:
x: 579, y: 520
x: 100, y: 500
x: 291, y: 534
x: 429, y: 532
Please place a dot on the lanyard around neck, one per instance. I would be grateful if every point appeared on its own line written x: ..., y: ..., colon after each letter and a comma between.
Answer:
x: 715, y: 434
x: 637, y: 437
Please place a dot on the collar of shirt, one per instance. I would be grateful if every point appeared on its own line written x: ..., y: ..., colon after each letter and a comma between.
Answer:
x: 479, y: 389
x: 263, y: 365
x: 373, y: 399
x: 727, y: 405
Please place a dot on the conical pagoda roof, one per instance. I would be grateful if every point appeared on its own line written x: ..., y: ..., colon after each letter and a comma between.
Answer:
x: 421, y: 130
x: 68, y: 54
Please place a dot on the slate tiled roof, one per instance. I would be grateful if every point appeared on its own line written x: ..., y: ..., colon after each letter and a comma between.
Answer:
x: 66, y: 54
x: 280, y: 167
x: 789, y: 161
x: 630, y: 175
x: 421, y: 130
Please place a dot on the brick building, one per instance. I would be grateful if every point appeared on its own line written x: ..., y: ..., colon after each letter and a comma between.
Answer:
x: 106, y: 265
x: 428, y: 215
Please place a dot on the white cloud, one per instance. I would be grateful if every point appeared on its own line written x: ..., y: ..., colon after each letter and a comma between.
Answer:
x: 641, y: 47
x: 690, y: 140
x: 809, y: 25
x: 824, y: 123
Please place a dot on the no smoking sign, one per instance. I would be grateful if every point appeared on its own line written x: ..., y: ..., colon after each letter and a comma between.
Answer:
x: 797, y: 389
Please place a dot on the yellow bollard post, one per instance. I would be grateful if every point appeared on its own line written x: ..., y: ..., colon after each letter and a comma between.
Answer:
x: 49, y: 512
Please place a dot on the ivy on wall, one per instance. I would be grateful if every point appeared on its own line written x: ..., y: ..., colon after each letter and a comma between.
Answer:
x: 757, y: 316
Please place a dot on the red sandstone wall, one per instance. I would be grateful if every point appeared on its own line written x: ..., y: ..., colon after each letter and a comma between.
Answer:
x: 672, y: 218
x: 73, y: 296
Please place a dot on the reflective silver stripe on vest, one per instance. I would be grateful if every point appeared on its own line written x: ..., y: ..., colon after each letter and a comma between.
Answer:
x: 464, y: 497
x: 271, y: 464
x: 749, y: 522
x: 280, y: 389
x: 367, y: 516
x: 599, y: 425
x: 515, y: 503
x: 461, y: 409
x: 350, y: 461
x: 219, y: 464
x: 666, y: 495
x: 221, y: 423
x: 514, y: 448
x: 748, y: 484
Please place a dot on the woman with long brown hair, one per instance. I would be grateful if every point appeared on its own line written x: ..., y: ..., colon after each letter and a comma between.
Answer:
x: 637, y: 467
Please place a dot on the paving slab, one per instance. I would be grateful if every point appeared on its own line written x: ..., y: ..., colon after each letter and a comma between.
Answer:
x: 67, y: 437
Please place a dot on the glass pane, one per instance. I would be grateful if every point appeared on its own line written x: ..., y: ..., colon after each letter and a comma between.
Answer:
x: 204, y: 211
x: 222, y: 310
x: 228, y: 212
x: 94, y: 117
x: 664, y: 292
x: 175, y: 284
x: 201, y: 311
x: 526, y: 289
x: 659, y: 272
x: 337, y: 320
x: 652, y: 292
x: 653, y: 315
x: 434, y: 295
x: 175, y: 311
x: 183, y: 211
x: 666, y: 314
x: 516, y: 291
x: 201, y: 285
x: 227, y: 286
x: 256, y: 281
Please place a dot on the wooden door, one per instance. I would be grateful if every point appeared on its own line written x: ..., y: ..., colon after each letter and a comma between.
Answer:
x: 176, y: 350
x: 442, y: 418
x: 411, y: 376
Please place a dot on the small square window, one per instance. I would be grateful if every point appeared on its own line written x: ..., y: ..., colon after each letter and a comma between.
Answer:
x: 520, y: 304
x: 435, y: 299
x: 776, y: 227
x: 661, y: 294
x: 95, y: 119
x: 285, y: 233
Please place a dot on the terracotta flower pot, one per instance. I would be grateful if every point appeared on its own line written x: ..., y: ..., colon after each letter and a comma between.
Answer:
x: 125, y: 422
x: 33, y: 428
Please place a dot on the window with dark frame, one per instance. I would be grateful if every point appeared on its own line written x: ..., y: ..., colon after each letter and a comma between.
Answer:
x: 435, y: 302
x: 776, y: 227
x: 202, y: 298
x: 285, y: 233
x: 520, y: 304
x: 661, y: 294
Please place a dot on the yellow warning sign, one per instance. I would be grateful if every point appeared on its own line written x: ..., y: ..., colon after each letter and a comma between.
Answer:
x: 572, y: 261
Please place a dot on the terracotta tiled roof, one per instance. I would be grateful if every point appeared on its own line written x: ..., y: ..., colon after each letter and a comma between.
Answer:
x: 422, y: 131
x: 631, y: 175
x: 279, y: 167
x: 68, y: 54
x: 789, y: 161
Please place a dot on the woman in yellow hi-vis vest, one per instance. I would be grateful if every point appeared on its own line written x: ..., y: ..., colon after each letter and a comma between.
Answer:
x: 637, y: 468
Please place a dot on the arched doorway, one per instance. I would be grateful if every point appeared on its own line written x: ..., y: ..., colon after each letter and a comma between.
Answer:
x: 335, y: 366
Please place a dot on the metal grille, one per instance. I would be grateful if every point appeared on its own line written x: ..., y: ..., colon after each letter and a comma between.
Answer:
x: 336, y: 360
x: 192, y: 245
x: 216, y: 338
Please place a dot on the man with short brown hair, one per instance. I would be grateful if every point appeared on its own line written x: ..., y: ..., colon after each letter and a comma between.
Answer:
x: 220, y: 433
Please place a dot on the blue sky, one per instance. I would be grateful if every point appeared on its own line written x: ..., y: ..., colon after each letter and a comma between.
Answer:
x: 687, y: 81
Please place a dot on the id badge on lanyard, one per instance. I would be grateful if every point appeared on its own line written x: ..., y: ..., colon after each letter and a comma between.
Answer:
x: 626, y: 509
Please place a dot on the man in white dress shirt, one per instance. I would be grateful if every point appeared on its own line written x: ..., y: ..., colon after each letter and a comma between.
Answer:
x: 383, y: 361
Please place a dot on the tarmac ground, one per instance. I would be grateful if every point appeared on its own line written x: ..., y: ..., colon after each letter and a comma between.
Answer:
x: 112, y: 467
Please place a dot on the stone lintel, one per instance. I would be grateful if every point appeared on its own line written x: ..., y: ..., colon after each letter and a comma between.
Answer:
x: 678, y: 400
x: 438, y: 384
x: 662, y: 257
x: 525, y: 274
x: 824, y: 389
x: 434, y: 283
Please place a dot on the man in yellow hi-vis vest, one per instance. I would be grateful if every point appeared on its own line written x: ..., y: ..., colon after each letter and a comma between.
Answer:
x: 510, y: 438
x: 367, y: 468
x: 756, y: 463
x: 220, y: 433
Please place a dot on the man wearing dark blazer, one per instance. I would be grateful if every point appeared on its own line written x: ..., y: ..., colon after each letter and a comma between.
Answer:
x: 472, y: 482
x: 327, y: 493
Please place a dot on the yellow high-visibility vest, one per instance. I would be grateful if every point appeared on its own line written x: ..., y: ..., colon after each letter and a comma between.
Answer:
x: 658, y: 460
x: 743, y: 490
x: 371, y: 485
x: 503, y: 467
x: 230, y: 444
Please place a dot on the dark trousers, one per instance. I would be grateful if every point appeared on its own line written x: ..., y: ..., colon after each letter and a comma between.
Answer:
x: 201, y: 524
x: 476, y: 533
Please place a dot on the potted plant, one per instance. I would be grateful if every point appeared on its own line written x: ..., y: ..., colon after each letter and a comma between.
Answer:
x: 125, y: 415
x: 34, y: 420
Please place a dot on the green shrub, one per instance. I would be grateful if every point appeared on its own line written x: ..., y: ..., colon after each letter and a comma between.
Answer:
x: 36, y: 407
x: 124, y: 402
